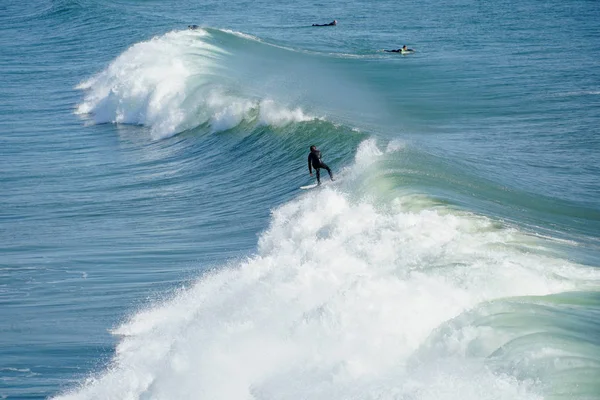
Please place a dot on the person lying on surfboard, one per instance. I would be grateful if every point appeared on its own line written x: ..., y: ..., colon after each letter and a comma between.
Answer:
x: 404, y: 49
x: 332, y: 23
x: 314, y: 161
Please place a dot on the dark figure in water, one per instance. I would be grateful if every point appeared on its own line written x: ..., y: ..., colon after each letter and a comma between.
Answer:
x: 332, y: 23
x: 193, y: 27
x: 404, y: 49
x: 314, y: 161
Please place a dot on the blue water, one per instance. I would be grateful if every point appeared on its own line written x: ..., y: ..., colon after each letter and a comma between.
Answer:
x: 155, y: 244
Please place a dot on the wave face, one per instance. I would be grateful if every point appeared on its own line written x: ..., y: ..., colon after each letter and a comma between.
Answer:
x: 348, y: 297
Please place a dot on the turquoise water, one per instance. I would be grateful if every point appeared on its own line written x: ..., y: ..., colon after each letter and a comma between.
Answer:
x: 156, y: 245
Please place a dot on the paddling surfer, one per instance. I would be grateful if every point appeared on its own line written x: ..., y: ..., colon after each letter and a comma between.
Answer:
x: 332, y: 23
x: 404, y: 49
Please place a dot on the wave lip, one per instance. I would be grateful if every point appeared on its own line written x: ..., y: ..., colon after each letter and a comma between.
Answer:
x: 174, y: 83
x: 148, y: 83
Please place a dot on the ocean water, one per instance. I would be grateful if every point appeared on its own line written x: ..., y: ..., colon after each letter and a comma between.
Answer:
x: 155, y: 244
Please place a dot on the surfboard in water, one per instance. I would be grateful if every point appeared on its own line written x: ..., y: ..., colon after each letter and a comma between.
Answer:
x: 314, y: 185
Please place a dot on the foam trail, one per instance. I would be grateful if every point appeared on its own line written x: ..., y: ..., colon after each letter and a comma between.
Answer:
x: 177, y: 82
x: 337, y: 301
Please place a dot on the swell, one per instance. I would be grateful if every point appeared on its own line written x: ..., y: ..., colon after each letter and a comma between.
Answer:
x: 452, y: 183
x: 52, y: 12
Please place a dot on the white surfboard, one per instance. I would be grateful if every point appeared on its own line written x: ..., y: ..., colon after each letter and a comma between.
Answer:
x: 309, y: 186
x: 314, y: 185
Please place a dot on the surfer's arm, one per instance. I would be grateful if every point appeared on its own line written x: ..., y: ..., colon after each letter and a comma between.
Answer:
x: 309, y: 166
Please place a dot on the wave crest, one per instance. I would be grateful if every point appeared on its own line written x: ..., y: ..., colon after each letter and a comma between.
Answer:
x: 177, y: 82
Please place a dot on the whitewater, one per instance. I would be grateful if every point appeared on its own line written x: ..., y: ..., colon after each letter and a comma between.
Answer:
x: 356, y: 300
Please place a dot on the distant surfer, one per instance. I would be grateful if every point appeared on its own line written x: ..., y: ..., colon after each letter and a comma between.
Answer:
x: 332, y: 23
x: 404, y: 49
x: 314, y: 161
x: 193, y: 27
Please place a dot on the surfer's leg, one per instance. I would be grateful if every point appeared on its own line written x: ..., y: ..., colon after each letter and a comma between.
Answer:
x: 328, y: 170
x: 318, y: 171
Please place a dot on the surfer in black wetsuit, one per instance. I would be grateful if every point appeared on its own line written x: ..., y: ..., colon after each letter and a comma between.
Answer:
x: 332, y: 23
x: 314, y: 161
x: 404, y: 49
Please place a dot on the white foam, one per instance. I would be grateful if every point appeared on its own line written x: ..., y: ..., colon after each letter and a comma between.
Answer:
x: 338, y: 298
x: 150, y: 82
x: 395, y: 145
x: 273, y: 114
x: 242, y: 35
x: 228, y: 112
x: 175, y: 82
x: 367, y: 153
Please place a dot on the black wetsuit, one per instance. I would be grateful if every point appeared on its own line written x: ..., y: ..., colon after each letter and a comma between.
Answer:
x: 329, y: 24
x: 314, y: 161
x: 399, y: 51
